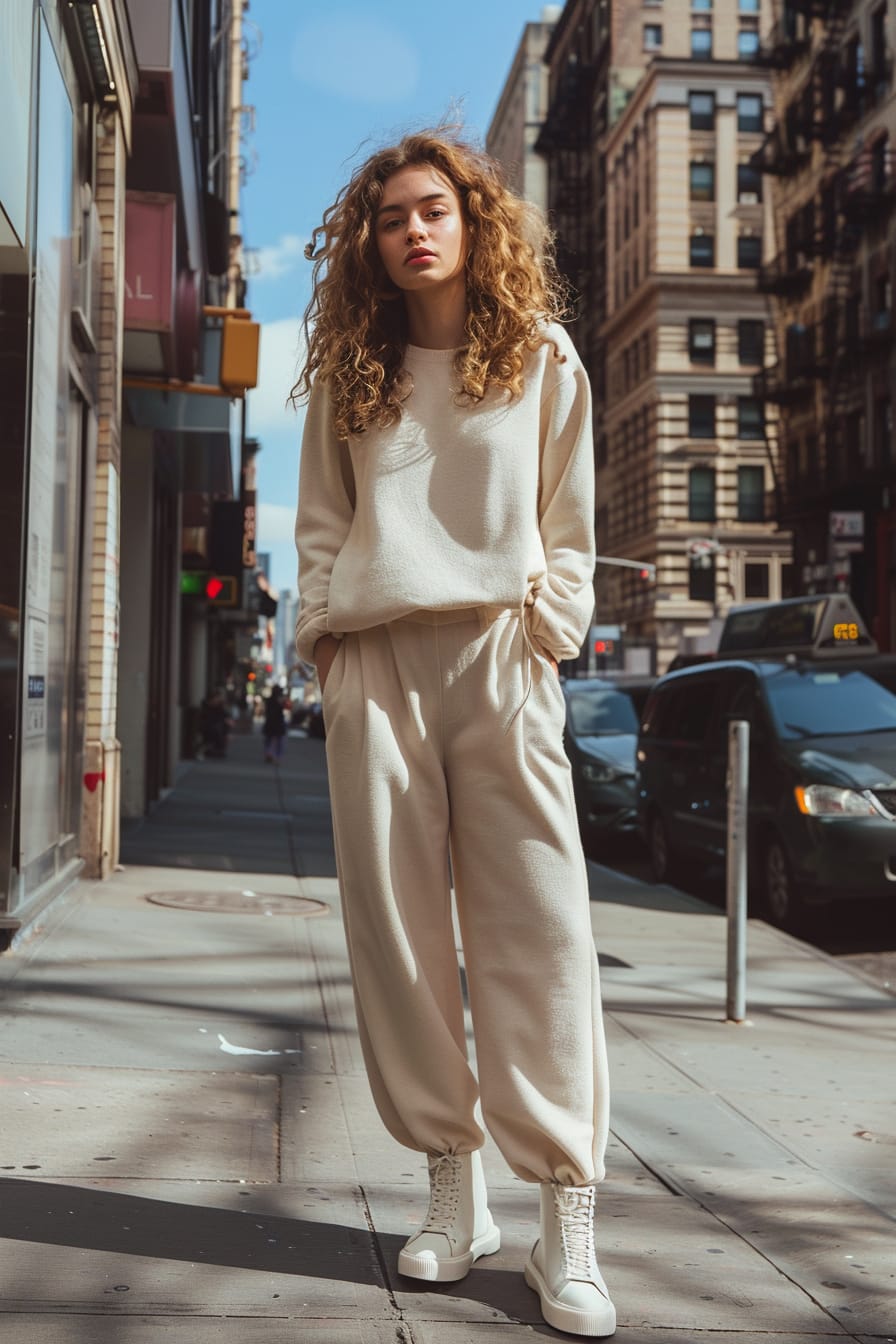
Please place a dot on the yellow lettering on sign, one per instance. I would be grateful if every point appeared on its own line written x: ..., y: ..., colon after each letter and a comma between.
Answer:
x: 846, y: 631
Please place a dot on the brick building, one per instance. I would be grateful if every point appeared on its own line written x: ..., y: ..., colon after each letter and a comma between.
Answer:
x: 830, y: 163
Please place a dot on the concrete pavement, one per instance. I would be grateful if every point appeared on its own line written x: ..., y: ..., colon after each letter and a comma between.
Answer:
x: 189, y: 1151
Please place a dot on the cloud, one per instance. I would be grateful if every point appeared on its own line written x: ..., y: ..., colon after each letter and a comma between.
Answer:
x: 276, y: 522
x: 282, y: 344
x: 270, y: 263
x: 357, y: 57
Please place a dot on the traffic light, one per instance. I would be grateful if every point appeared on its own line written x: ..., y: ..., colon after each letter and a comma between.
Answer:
x: 222, y: 590
x: 603, y: 646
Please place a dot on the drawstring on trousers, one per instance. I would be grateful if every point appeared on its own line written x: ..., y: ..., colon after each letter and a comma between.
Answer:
x: 531, y: 651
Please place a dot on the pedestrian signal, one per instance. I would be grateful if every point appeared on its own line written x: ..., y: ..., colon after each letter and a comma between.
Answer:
x: 222, y: 590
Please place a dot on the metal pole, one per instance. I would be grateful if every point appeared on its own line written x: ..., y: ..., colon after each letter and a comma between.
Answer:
x: 736, y: 868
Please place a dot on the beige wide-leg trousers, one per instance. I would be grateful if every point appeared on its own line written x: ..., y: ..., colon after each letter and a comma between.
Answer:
x: 430, y: 752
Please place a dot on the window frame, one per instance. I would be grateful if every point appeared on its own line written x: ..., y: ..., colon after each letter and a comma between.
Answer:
x: 755, y: 241
x: 709, y: 238
x: 706, y: 193
x: 745, y: 421
x: 753, y: 35
x: 694, y: 349
x: 755, y: 189
x: 747, y: 512
x: 699, y: 406
x: 702, y: 582
x: 756, y: 323
x: 652, y: 28
x: 751, y: 129
x: 756, y: 594
x: 701, y: 55
x: 708, y: 119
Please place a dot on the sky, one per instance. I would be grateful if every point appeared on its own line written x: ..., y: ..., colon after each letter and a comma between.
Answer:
x: 330, y: 84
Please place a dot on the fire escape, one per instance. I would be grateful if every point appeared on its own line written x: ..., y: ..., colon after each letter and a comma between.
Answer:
x: 567, y: 142
x: 827, y: 349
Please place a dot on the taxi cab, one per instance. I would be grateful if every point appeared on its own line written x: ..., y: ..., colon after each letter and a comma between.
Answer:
x: 821, y: 704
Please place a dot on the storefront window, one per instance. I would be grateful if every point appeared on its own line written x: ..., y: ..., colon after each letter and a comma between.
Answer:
x: 52, y: 541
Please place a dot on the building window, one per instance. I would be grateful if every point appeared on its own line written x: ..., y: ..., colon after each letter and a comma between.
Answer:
x: 701, y: 44
x: 883, y: 431
x: 878, y: 59
x: 653, y: 36
x: 701, y: 416
x: 749, y: 113
x: 703, y: 181
x: 751, y: 342
x: 749, y: 185
x: 747, y: 44
x: 748, y: 6
x: 702, y: 579
x: 750, y: 421
x: 749, y: 252
x: 702, y: 493
x: 702, y: 340
x: 882, y: 303
x: 701, y: 4
x: 756, y: 579
x: 703, y: 111
x: 750, y: 494
x: 703, y: 249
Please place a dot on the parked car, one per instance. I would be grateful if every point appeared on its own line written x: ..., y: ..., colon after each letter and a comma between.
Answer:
x: 822, y: 775
x: 601, y: 735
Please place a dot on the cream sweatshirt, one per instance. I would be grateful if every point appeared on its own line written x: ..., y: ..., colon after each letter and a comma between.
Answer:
x: 455, y: 506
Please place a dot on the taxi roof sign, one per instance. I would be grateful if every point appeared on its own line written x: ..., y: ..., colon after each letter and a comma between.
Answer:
x: 826, y: 625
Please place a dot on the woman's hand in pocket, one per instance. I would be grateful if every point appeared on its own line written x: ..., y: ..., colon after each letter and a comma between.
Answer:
x: 325, y: 650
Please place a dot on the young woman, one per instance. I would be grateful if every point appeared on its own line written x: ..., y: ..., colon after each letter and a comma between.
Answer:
x: 445, y: 539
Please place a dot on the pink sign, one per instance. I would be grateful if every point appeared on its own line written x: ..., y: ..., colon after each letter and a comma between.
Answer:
x: 150, y: 221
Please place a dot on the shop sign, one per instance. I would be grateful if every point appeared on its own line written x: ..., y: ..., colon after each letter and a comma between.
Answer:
x: 149, y: 255
x: 249, y: 557
x: 847, y: 526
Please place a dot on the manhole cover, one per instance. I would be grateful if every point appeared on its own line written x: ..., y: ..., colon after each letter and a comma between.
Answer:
x: 239, y: 903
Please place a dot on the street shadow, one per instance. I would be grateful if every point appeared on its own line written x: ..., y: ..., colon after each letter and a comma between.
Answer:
x: 79, y: 1218
x: 55, y: 1214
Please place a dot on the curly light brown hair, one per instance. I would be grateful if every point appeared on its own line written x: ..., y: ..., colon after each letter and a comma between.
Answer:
x: 356, y: 323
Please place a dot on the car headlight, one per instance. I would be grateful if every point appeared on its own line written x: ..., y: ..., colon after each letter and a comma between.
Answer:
x: 600, y: 772
x: 825, y: 800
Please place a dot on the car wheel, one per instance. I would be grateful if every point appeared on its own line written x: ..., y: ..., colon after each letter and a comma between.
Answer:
x: 662, y: 855
x: 782, y: 899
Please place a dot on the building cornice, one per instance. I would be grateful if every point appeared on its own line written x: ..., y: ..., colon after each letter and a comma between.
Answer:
x: 685, y: 282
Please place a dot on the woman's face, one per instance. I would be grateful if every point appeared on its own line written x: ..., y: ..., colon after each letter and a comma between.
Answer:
x: 420, y: 231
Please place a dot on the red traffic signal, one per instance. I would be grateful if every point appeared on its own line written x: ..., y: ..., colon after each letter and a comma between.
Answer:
x: 222, y: 590
x: 603, y: 646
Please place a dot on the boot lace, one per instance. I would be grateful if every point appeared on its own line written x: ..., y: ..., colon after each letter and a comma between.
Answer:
x: 444, y: 1193
x: 575, y: 1215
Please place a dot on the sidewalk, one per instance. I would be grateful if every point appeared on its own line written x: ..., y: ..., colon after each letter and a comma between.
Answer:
x: 189, y: 1151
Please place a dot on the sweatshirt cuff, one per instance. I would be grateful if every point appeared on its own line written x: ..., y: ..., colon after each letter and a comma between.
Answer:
x: 560, y: 633
x: 309, y: 630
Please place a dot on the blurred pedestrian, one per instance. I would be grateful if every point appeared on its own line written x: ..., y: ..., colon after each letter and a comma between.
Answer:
x: 274, y: 726
x: 446, y: 556
x: 214, y: 724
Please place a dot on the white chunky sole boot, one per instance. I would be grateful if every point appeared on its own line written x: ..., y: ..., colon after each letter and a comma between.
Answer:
x: 458, y: 1227
x: 562, y: 1268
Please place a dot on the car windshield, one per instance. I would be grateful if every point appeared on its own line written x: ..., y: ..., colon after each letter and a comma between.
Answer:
x: 816, y: 702
x: 601, y: 711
